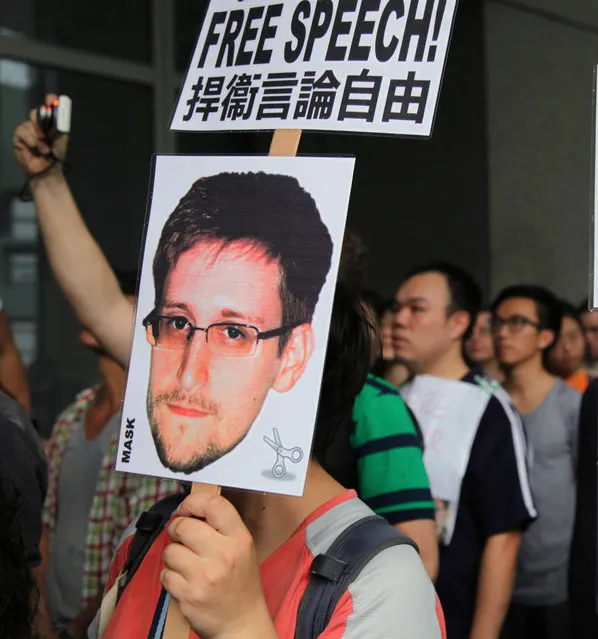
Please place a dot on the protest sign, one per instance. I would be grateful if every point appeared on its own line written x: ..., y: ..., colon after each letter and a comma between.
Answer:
x: 237, y: 283
x: 370, y: 66
x: 448, y: 412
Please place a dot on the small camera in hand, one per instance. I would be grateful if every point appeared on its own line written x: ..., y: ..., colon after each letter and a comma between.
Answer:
x: 55, y: 118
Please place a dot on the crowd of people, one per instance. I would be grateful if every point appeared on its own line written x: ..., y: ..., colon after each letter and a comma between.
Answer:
x: 470, y: 429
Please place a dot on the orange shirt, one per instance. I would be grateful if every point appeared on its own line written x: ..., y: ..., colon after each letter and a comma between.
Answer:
x: 580, y: 380
x: 392, y: 597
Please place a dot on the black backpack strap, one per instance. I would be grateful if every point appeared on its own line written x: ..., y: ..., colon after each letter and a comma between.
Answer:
x: 149, y: 525
x: 333, y: 572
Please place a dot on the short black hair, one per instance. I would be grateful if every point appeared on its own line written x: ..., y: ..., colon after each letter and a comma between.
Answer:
x: 271, y: 211
x: 345, y: 371
x: 465, y: 293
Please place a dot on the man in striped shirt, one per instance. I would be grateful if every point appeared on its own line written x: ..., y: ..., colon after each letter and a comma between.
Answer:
x: 391, y: 477
x: 382, y: 458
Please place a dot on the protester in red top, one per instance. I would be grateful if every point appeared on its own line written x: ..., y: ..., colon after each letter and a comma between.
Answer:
x: 244, y: 569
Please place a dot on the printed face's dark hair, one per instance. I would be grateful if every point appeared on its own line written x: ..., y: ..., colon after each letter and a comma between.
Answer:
x: 464, y: 292
x: 345, y: 369
x: 272, y: 212
x: 18, y: 594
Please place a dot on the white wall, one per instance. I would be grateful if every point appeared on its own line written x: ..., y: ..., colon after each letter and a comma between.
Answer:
x: 539, y: 101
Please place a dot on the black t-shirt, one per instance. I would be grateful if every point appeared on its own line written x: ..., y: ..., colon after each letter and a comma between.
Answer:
x: 22, y: 462
x: 495, y: 498
x: 583, y: 591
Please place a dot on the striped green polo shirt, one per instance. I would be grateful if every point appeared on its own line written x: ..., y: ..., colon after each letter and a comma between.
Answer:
x: 392, y: 478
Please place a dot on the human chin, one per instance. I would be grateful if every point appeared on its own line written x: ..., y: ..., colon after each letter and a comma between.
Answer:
x: 185, y: 461
x: 183, y: 446
x: 180, y: 436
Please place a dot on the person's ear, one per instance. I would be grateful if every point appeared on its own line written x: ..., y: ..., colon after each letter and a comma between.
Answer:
x: 295, y: 357
x: 460, y: 323
x: 546, y: 338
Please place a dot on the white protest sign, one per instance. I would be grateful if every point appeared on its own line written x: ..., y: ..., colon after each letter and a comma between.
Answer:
x: 237, y: 284
x: 370, y: 66
x: 448, y: 412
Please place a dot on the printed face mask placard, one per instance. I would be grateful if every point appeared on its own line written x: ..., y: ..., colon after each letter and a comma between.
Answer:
x: 237, y: 283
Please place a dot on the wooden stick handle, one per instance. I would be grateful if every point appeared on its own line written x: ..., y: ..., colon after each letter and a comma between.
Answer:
x: 285, y: 142
x: 176, y: 626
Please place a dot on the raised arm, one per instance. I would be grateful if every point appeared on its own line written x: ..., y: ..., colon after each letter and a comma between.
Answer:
x: 77, y: 261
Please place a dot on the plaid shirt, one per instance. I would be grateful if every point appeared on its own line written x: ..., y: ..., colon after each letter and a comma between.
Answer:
x: 119, y: 497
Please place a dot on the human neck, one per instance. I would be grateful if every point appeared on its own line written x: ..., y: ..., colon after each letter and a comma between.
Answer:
x: 528, y: 384
x: 527, y: 376
x: 272, y: 518
x: 451, y: 365
x: 493, y: 370
x: 113, y: 384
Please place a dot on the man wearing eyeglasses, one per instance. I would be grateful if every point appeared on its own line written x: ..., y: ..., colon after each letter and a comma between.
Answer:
x: 474, y: 453
x: 526, y: 324
x: 236, y: 284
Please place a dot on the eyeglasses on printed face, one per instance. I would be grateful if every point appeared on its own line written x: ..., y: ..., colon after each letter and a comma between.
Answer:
x: 226, y: 339
x: 514, y: 323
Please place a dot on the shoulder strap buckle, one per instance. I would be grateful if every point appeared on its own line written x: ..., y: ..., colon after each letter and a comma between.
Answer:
x: 148, y: 521
x: 327, y: 567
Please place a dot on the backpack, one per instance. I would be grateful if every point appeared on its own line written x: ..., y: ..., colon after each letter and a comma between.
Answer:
x: 331, y: 573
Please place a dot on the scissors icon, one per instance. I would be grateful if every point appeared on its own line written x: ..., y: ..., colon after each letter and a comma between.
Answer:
x: 279, y: 469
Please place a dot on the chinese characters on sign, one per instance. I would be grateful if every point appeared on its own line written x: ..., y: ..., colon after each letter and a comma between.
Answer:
x: 283, y: 96
x: 318, y: 65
